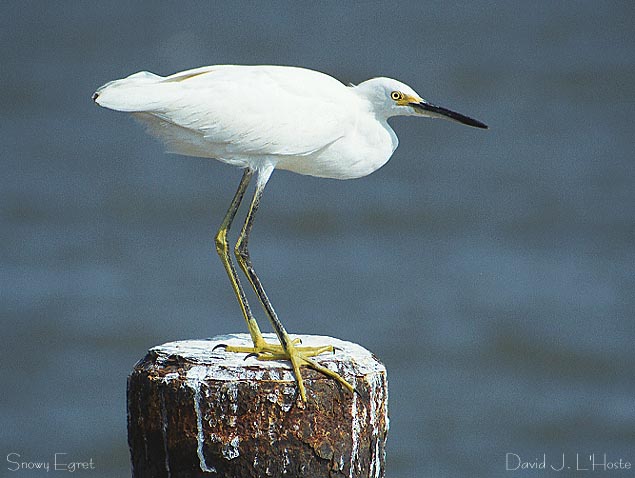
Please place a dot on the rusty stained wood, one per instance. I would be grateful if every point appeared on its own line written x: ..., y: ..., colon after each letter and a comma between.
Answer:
x: 197, y: 413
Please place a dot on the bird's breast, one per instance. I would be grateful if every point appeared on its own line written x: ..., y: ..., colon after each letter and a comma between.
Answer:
x: 357, y: 153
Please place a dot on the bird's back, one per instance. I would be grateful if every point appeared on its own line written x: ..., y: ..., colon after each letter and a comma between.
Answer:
x: 232, y: 112
x: 294, y: 118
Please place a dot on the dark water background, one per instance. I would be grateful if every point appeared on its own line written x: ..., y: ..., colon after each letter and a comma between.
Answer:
x: 493, y: 272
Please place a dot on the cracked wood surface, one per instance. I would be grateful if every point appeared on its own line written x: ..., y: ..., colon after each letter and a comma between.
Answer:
x: 195, y: 412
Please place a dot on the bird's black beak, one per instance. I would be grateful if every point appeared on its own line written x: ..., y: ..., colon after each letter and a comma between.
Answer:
x: 428, y: 109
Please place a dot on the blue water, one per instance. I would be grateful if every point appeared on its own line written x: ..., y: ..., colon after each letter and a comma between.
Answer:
x: 493, y: 272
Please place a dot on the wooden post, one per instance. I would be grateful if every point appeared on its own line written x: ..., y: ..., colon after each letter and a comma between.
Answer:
x: 194, y: 412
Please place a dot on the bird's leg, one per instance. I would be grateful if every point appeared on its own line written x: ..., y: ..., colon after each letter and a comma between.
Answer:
x: 222, y: 248
x: 290, y: 350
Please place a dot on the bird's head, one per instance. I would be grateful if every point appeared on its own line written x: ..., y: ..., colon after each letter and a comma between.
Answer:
x: 393, y: 98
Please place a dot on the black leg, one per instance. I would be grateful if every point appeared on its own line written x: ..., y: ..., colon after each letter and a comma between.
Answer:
x: 296, y: 355
x: 244, y: 260
x: 223, y: 251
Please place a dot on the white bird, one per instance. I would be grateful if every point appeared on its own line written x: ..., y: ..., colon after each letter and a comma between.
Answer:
x: 260, y: 118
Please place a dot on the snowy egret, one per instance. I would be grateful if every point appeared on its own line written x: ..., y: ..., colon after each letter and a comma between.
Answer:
x: 264, y: 117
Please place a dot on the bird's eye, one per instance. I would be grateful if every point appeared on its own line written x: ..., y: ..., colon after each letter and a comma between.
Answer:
x: 396, y: 95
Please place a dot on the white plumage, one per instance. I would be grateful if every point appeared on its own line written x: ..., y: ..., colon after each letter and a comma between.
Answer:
x: 265, y: 117
x: 297, y: 119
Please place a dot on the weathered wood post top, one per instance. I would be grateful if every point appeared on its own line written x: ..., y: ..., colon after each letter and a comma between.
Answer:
x: 198, y: 412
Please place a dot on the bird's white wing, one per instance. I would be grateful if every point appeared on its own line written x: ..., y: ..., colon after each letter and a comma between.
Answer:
x: 237, y: 111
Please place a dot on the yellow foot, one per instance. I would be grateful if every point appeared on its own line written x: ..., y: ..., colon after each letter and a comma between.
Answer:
x: 297, y: 355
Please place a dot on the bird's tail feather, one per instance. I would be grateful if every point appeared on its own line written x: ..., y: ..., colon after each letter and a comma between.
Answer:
x: 131, y: 94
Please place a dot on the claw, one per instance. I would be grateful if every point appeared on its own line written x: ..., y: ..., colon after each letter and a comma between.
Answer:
x: 219, y: 346
x: 298, y: 356
x: 357, y: 392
